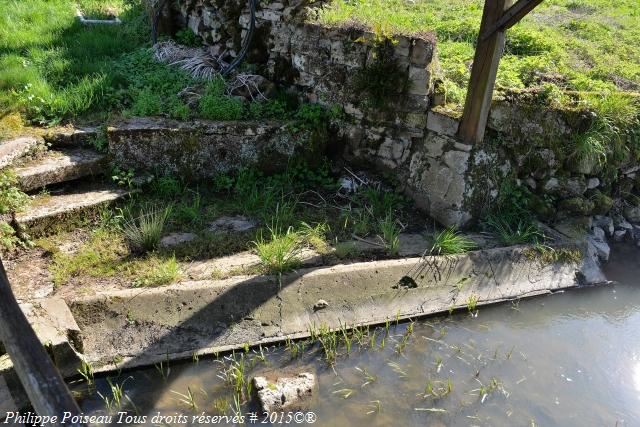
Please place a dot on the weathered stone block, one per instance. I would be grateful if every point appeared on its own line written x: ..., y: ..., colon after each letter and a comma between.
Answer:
x: 203, y: 149
x: 442, y: 124
x: 421, y: 52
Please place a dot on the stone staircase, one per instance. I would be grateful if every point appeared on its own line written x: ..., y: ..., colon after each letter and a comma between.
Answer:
x: 64, y: 179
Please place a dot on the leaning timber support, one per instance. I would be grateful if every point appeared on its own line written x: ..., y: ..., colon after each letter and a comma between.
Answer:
x: 483, y: 73
x: 41, y: 380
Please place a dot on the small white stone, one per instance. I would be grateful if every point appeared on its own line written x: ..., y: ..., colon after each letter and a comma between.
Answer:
x: 593, y: 183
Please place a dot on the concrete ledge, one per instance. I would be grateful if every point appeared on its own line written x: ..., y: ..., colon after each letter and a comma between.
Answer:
x: 143, y: 326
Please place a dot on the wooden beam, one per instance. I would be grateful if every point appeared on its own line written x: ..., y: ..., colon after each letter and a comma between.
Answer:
x: 41, y: 380
x: 512, y: 16
x: 483, y: 74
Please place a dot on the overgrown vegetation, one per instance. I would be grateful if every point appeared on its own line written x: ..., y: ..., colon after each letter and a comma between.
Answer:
x: 381, y: 81
x: 574, y: 45
x: 144, y: 232
x: 53, y: 68
x: 512, y: 216
x: 11, y: 198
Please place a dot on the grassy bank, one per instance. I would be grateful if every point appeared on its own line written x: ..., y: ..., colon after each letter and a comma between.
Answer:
x: 575, y: 45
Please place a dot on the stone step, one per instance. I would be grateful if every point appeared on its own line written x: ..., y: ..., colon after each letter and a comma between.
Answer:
x: 71, y: 136
x: 60, y: 166
x: 14, y: 149
x: 49, y: 213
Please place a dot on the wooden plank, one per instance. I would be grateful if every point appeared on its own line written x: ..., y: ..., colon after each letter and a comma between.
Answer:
x: 512, y: 15
x: 41, y: 380
x: 483, y: 74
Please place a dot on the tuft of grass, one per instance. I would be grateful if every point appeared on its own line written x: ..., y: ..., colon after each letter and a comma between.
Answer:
x: 315, y: 236
x: 514, y: 232
x: 345, y: 250
x: 451, y: 241
x: 390, y: 233
x: 144, y: 232
x: 280, y: 252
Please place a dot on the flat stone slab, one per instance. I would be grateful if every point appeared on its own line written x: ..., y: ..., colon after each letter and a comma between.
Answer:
x: 238, y: 223
x: 60, y: 166
x: 16, y: 148
x: 71, y: 136
x: 175, y: 239
x: 47, y: 213
x: 203, y: 149
x: 243, y: 263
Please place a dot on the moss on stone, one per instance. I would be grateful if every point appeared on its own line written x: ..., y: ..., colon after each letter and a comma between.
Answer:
x: 602, y: 203
x: 578, y: 206
x: 383, y: 80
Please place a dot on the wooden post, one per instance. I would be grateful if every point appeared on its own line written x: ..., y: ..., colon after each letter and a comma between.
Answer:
x: 483, y: 73
x: 41, y: 380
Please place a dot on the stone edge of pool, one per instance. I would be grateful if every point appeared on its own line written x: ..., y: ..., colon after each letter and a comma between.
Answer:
x: 131, y: 328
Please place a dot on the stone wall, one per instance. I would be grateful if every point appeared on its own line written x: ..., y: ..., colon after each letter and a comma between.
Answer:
x: 401, y: 132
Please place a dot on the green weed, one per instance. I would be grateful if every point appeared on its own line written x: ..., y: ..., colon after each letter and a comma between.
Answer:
x: 451, y: 241
x: 216, y: 105
x: 144, y: 232
x: 390, y: 233
x: 515, y: 231
x: 153, y: 271
x: 280, y: 252
x: 11, y: 198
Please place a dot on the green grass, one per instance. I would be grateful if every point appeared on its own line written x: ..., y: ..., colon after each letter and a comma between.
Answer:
x: 11, y: 198
x: 52, y: 67
x: 279, y: 253
x: 450, y: 241
x: 144, y: 232
x: 514, y: 231
x: 582, y: 45
x: 106, y: 254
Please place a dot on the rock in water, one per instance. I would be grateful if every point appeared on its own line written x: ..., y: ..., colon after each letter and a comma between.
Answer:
x: 285, y: 392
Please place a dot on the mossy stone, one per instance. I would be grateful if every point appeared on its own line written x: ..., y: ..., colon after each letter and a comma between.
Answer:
x: 602, y: 203
x: 577, y: 206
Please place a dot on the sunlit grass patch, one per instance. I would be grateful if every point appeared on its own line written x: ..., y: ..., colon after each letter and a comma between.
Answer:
x: 100, y: 256
x: 279, y: 253
x: 451, y: 241
x: 154, y: 271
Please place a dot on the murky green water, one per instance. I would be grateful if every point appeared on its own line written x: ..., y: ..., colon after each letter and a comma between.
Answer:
x: 571, y: 359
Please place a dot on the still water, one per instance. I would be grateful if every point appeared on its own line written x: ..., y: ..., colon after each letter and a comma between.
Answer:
x: 571, y: 359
